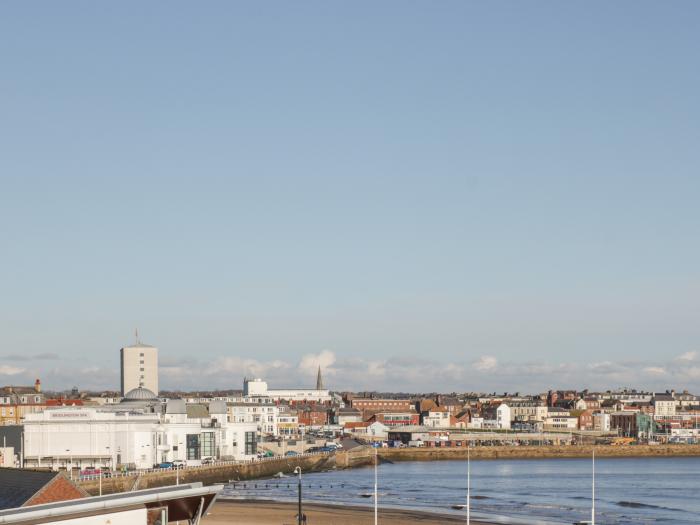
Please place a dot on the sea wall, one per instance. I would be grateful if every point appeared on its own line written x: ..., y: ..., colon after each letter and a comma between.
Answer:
x: 211, y: 474
x: 534, y: 452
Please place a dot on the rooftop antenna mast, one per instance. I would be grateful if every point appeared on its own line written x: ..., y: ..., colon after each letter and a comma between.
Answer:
x: 136, y: 335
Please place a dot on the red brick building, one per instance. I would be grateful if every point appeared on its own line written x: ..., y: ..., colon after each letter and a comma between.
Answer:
x: 396, y: 419
x: 369, y: 406
x: 313, y: 415
x: 585, y: 420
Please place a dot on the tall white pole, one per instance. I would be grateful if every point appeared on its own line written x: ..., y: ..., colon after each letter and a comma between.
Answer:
x: 375, y: 488
x: 593, y: 492
x: 469, y: 483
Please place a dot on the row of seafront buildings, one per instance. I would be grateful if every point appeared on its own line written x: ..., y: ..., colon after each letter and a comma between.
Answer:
x: 142, y: 427
x: 646, y: 416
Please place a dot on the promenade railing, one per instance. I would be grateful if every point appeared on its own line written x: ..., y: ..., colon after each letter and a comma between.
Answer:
x: 190, y: 468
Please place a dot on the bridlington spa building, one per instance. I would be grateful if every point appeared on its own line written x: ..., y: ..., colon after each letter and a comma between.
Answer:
x: 139, y: 432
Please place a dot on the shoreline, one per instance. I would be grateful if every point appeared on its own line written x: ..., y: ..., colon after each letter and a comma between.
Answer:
x: 273, y: 512
x: 532, y: 452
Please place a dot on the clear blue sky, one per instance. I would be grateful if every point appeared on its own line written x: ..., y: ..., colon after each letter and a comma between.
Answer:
x: 416, y: 195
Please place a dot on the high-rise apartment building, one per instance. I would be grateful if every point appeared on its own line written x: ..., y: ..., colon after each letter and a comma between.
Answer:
x: 139, y: 364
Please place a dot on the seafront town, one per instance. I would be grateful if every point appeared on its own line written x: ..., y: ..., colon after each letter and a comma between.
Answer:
x: 141, y: 427
x: 168, y: 446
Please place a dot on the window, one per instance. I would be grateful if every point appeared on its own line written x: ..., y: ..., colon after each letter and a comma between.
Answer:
x: 141, y: 354
x: 141, y: 369
x: 208, y: 444
x: 251, y: 444
x: 193, y: 451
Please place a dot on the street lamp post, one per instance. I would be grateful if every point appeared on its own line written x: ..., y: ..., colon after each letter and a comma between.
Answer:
x: 297, y: 471
x: 101, y: 469
x: 70, y: 462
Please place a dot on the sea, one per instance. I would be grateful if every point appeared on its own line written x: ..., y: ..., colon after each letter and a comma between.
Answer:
x: 534, y: 491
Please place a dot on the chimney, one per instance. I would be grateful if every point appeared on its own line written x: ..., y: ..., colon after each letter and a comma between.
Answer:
x: 37, y: 386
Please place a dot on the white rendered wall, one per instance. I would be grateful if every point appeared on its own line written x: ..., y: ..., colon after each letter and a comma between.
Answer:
x: 128, y: 517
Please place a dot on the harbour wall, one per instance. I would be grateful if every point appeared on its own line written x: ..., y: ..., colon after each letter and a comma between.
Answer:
x: 210, y: 474
x: 366, y: 454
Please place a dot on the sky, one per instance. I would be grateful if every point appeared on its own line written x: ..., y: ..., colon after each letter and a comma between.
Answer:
x: 417, y: 196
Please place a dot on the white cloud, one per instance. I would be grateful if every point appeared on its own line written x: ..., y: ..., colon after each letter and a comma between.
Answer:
x: 485, y: 363
x: 376, y: 368
x: 310, y: 362
x: 7, y: 370
x: 399, y: 374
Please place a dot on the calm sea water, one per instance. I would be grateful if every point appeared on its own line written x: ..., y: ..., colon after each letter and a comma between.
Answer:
x: 628, y: 491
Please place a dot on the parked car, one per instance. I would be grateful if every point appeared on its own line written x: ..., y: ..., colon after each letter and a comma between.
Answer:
x: 290, y: 453
x: 179, y: 463
x: 90, y: 471
x: 166, y: 464
x: 207, y: 461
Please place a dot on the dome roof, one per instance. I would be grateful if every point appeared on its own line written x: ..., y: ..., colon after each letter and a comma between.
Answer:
x: 140, y: 394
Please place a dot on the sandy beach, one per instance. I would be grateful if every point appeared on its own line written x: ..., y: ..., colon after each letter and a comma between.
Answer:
x: 259, y: 512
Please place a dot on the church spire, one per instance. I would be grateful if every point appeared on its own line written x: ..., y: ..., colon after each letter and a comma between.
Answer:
x: 319, y: 379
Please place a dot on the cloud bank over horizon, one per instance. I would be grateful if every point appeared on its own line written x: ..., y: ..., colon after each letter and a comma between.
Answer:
x: 483, y: 373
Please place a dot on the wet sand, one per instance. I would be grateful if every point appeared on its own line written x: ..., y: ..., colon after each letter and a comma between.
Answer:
x: 259, y: 512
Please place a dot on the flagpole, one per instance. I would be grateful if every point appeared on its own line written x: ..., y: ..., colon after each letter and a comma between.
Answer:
x: 469, y: 487
x: 375, y: 487
x: 593, y: 492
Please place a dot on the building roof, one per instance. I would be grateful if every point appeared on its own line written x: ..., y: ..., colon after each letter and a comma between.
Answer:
x: 427, y: 404
x: 140, y: 394
x: 663, y: 397
x: 10, y: 389
x: 356, y: 424
x: 64, y: 402
x: 197, y: 412
x: 182, y: 501
x: 176, y: 406
x: 18, y: 486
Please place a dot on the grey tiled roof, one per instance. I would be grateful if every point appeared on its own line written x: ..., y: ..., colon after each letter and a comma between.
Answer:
x: 18, y: 486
